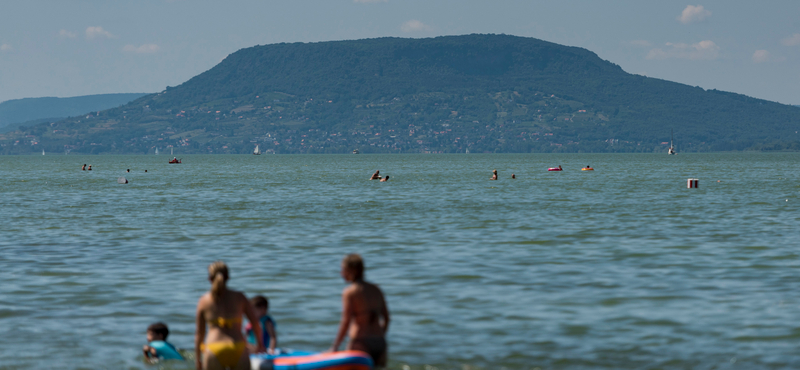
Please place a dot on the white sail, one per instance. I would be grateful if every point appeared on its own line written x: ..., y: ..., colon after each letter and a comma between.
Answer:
x: 156, y: 150
x: 42, y: 151
x: 256, y: 151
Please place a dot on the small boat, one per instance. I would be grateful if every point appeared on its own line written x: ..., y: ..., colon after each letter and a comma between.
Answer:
x: 345, y: 360
x: 671, y: 150
x: 355, y: 151
x: 256, y: 151
x: 174, y: 161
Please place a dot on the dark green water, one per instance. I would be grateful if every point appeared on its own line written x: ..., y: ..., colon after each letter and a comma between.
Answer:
x: 620, y: 268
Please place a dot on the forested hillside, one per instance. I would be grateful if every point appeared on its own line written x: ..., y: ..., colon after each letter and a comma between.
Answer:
x: 30, y: 110
x: 482, y: 93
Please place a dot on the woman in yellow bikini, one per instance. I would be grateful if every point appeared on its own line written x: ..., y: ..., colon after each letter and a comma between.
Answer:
x: 222, y: 310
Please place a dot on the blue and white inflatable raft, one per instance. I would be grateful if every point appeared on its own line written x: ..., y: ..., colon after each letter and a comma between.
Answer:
x: 295, y: 360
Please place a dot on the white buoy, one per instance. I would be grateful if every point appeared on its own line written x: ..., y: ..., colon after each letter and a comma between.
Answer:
x: 693, y: 183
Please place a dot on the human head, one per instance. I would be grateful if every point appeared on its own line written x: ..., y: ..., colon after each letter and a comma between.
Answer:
x: 218, y: 276
x: 157, y: 331
x: 387, y: 177
x: 353, y: 267
x: 261, y: 304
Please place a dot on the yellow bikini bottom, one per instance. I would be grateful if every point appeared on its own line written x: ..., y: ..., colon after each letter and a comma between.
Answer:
x: 227, y: 353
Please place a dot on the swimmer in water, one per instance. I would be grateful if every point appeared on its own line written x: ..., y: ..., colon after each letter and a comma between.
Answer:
x: 376, y: 175
x: 90, y: 168
x: 83, y: 168
x: 588, y: 167
x: 385, y: 179
x: 513, y: 176
x: 559, y: 167
x: 129, y: 170
x: 365, y: 317
x: 157, y: 347
x: 494, y: 175
x: 222, y: 309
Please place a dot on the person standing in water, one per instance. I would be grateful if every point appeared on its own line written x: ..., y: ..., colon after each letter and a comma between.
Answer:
x: 221, y: 308
x: 376, y: 175
x: 365, y: 317
x: 494, y: 175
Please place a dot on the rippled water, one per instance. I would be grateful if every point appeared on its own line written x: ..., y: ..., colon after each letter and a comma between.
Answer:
x: 620, y: 268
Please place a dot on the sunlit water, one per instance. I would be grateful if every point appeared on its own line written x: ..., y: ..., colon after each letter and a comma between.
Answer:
x: 620, y: 268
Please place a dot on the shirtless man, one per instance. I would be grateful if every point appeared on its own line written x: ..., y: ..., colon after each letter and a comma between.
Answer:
x: 365, y: 318
x: 376, y: 175
x: 494, y: 175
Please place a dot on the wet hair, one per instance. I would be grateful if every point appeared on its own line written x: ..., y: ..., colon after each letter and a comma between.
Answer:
x: 260, y: 301
x: 159, y: 328
x: 218, y: 274
x: 353, y: 262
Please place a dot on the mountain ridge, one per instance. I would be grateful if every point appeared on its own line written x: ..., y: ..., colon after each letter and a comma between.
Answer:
x: 28, y: 111
x: 482, y: 93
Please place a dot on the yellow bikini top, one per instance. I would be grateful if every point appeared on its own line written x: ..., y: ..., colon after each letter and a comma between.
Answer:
x: 223, y: 322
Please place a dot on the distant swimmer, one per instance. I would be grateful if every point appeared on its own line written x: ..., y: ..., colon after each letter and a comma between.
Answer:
x: 376, y: 175
x: 587, y: 168
x: 83, y: 168
x: 494, y: 175
x: 145, y: 170
x: 222, y: 310
x: 513, y: 176
x: 129, y: 170
x: 365, y: 317
x: 385, y: 179
x: 90, y: 168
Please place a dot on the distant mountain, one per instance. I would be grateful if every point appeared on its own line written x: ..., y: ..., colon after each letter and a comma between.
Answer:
x: 29, y: 111
x: 482, y: 93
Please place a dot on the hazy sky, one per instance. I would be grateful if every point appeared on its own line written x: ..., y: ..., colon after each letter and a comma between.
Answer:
x: 80, y: 47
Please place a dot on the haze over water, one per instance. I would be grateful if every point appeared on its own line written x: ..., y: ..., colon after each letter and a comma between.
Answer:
x: 619, y: 268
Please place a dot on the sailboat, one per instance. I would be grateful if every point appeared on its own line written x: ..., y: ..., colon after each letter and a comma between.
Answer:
x: 671, y: 150
x: 42, y: 151
x: 156, y: 150
x: 256, y: 151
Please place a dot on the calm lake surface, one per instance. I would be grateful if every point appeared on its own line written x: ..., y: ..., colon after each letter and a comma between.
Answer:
x: 620, y: 268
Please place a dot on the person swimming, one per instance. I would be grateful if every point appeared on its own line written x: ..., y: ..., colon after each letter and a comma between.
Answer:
x: 83, y: 168
x: 376, y: 175
x: 222, y: 309
x: 89, y: 168
x: 385, y: 179
x: 157, y: 347
x: 513, y: 176
x: 365, y: 317
x: 494, y: 175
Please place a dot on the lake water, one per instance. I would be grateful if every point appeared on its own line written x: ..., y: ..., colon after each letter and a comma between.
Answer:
x: 620, y: 268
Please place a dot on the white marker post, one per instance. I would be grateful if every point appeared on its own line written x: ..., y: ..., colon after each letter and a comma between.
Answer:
x: 692, y: 183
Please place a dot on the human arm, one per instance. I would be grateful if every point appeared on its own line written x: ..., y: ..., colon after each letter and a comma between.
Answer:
x: 344, y: 324
x: 273, y: 338
x: 256, y: 325
x: 199, y: 335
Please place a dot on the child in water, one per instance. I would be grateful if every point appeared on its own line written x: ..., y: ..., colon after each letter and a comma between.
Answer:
x: 157, y: 347
x: 261, y: 306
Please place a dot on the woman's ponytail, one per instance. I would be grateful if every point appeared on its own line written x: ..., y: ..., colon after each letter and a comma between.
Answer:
x: 218, y: 274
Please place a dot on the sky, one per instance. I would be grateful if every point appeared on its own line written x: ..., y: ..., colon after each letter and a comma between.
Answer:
x: 79, y: 47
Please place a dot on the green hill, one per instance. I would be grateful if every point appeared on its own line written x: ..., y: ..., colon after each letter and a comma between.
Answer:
x: 484, y: 93
x: 31, y: 111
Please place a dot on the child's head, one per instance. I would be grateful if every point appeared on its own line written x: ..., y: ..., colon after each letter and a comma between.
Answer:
x: 261, y: 305
x: 157, y: 331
